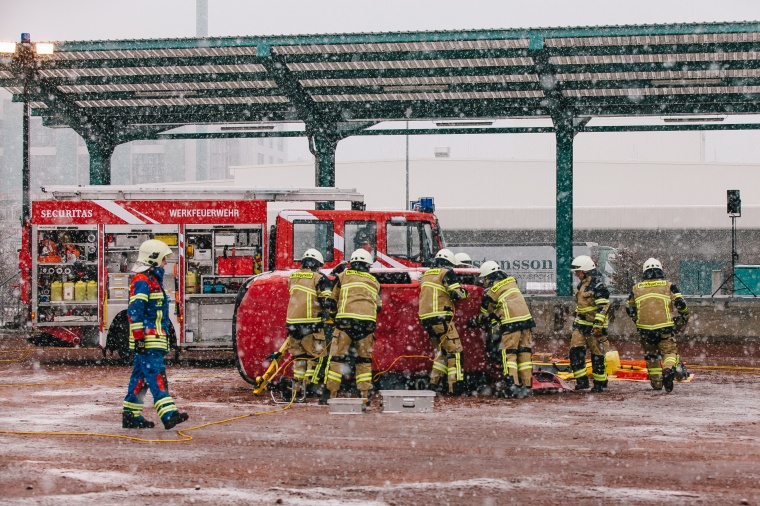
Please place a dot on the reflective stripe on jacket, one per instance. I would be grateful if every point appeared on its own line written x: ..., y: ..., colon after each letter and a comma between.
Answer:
x: 358, y: 295
x: 654, y: 302
x: 147, y: 310
x: 505, y: 300
x: 592, y: 301
x: 307, y: 288
x: 439, y: 287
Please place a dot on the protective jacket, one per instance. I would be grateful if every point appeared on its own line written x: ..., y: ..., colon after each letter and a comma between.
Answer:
x: 358, y: 295
x: 439, y: 288
x: 651, y: 305
x: 307, y: 291
x: 147, y: 310
x: 592, y: 301
x: 505, y: 300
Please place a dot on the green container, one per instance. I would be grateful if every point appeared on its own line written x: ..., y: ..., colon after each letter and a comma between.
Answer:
x: 747, y: 280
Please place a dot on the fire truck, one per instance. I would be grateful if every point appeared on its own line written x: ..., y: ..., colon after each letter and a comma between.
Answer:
x: 403, y: 245
x: 83, y: 241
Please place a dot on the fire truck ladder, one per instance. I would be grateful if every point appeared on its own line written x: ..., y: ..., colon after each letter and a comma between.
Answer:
x: 322, y: 194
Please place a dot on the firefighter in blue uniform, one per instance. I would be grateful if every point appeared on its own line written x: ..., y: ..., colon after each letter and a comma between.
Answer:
x: 148, y: 331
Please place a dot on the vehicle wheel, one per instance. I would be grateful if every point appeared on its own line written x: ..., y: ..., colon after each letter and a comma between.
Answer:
x: 118, y: 338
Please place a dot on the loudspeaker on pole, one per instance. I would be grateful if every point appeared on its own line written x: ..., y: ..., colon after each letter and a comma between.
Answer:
x: 734, y: 203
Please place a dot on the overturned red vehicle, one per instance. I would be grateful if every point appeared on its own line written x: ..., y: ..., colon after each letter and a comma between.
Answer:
x: 403, y: 243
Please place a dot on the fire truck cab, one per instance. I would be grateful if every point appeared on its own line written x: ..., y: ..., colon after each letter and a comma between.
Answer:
x: 84, y: 240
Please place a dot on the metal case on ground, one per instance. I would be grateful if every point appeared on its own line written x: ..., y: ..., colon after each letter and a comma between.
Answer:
x: 407, y: 401
x: 345, y: 406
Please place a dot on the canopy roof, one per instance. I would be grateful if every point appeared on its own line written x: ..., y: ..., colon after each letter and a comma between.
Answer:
x: 340, y: 85
x: 349, y: 82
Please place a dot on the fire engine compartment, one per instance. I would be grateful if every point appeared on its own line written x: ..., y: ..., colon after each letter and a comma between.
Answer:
x: 84, y: 251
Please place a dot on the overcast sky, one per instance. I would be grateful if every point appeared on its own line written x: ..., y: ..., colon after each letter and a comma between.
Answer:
x: 56, y: 20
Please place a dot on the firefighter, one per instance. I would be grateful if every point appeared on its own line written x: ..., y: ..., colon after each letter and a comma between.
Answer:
x: 503, y: 302
x: 592, y: 299
x: 308, y: 290
x: 148, y: 331
x: 651, y: 304
x: 356, y: 295
x: 463, y: 260
x: 439, y: 290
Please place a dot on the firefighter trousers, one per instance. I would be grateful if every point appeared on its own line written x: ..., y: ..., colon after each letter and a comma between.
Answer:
x: 448, y: 352
x: 306, y: 343
x: 149, y: 373
x: 517, y: 357
x: 597, y: 345
x: 661, y: 354
x: 359, y: 335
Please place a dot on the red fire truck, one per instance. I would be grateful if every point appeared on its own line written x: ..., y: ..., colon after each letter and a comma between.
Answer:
x: 403, y: 244
x: 83, y: 241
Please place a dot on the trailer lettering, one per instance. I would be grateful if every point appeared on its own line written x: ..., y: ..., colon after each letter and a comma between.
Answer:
x: 66, y: 213
x: 204, y: 213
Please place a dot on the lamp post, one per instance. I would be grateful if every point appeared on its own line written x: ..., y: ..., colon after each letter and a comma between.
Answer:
x: 23, y: 61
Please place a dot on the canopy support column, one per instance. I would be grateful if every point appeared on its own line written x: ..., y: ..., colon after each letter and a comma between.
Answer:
x: 100, y: 152
x: 323, y: 145
x: 565, y: 132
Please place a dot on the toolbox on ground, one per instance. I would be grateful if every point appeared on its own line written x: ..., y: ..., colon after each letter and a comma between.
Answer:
x: 407, y: 401
x: 345, y: 406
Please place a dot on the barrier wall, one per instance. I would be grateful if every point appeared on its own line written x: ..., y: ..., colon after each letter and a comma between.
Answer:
x: 714, y: 319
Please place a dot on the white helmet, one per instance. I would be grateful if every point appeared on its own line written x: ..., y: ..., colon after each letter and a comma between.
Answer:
x: 151, y: 254
x: 463, y: 259
x: 582, y: 263
x: 488, y: 268
x: 652, y: 263
x: 447, y: 255
x: 315, y: 254
x: 361, y: 255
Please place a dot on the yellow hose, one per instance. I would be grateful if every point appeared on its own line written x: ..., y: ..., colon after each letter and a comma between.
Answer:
x: 182, y: 432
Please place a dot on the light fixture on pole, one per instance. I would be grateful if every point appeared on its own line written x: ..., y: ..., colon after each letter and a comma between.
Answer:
x: 23, y: 58
x: 734, y: 210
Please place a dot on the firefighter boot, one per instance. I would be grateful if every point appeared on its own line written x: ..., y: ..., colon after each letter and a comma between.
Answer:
x: 175, y: 419
x: 598, y: 368
x: 578, y: 366
x: 324, y: 398
x: 524, y: 392
x: 668, y: 375
x: 128, y: 421
x: 582, y: 383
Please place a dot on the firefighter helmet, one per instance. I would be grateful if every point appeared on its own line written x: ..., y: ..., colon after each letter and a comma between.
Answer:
x: 582, y: 263
x: 447, y: 255
x: 361, y: 255
x: 652, y: 263
x: 489, y: 268
x: 152, y: 252
x: 314, y: 254
x: 463, y: 259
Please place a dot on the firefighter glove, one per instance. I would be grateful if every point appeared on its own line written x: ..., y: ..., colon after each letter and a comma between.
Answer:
x: 597, y: 331
x: 680, y: 322
x: 473, y: 323
x: 140, y: 346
